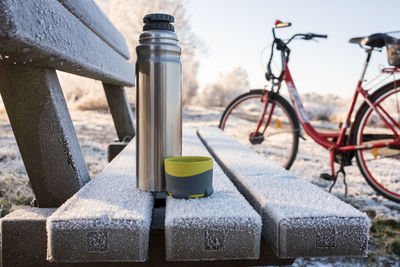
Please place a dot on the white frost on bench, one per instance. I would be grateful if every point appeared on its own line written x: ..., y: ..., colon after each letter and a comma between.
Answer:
x: 299, y: 219
x: 107, y: 220
x: 222, y: 226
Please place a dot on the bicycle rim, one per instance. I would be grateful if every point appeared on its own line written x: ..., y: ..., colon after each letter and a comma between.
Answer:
x: 280, y: 139
x: 380, y: 166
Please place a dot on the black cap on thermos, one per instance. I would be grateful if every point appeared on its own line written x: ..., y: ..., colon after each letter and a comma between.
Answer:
x: 158, y: 21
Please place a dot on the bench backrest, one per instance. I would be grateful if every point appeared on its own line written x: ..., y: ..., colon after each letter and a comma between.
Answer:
x: 68, y: 35
x: 38, y: 37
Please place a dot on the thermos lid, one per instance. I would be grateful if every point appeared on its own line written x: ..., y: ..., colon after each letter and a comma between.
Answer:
x: 158, y: 21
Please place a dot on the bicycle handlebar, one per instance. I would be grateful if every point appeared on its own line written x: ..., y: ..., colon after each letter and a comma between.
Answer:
x: 306, y: 36
x: 310, y: 35
x: 285, y: 51
x: 321, y: 36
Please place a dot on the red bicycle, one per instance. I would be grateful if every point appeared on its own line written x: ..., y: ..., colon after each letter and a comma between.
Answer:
x: 264, y: 120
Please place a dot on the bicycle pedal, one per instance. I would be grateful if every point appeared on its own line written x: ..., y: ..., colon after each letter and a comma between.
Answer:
x: 327, y: 176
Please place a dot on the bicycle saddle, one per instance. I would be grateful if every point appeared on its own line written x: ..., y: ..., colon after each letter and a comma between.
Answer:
x: 374, y: 40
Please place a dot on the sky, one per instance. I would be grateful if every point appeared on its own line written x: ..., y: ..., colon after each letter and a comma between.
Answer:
x: 236, y: 32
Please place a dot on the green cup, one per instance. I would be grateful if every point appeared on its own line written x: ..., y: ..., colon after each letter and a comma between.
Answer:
x: 189, y: 176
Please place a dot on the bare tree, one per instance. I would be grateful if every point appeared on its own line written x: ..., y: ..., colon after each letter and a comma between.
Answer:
x: 227, y: 87
x: 128, y: 15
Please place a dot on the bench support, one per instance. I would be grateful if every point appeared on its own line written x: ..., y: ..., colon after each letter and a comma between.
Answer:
x: 44, y: 132
x: 121, y: 111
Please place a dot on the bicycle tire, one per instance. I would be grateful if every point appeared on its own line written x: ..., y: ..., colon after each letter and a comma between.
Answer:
x: 384, y: 176
x: 284, y: 116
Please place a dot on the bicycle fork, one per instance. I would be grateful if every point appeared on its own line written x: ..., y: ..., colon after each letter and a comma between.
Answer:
x: 261, y: 119
x: 257, y: 137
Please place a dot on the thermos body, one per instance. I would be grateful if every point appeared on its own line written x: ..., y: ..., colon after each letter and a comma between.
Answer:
x: 158, y: 106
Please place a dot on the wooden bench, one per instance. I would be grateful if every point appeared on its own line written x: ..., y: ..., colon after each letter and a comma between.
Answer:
x: 114, y: 217
x: 299, y: 219
x: 38, y: 37
x: 108, y: 222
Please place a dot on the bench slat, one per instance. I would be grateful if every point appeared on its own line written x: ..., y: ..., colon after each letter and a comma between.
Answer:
x: 222, y: 226
x: 299, y: 219
x: 108, y: 220
x: 46, y: 34
x: 93, y: 17
x: 23, y: 237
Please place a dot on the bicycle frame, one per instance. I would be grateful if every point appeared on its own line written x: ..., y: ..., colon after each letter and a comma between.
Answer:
x: 339, y: 145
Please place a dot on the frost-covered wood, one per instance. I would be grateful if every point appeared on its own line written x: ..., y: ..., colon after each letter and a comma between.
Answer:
x: 299, y: 219
x: 108, y: 220
x: 44, y: 132
x: 92, y: 16
x: 222, y: 226
x: 23, y: 237
x: 46, y: 34
x: 121, y: 111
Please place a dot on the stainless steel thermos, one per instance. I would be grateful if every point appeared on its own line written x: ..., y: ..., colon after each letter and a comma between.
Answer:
x: 158, y: 100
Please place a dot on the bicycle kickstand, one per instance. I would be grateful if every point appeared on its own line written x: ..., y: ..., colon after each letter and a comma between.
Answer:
x: 341, y: 170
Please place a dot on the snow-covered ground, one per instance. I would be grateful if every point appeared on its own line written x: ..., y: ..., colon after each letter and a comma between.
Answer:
x: 95, y: 131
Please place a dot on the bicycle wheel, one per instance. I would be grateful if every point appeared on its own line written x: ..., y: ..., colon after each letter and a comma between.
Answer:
x: 380, y: 166
x: 279, y: 141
